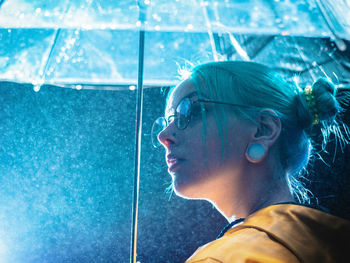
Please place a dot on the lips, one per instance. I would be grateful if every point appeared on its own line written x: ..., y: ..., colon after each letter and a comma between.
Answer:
x: 173, y: 162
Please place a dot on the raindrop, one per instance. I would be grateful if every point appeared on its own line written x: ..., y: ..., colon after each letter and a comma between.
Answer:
x: 340, y: 44
x: 36, y: 88
x: 157, y: 17
x: 190, y: 26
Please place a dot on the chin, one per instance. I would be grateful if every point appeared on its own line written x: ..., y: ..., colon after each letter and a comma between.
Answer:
x: 187, y: 190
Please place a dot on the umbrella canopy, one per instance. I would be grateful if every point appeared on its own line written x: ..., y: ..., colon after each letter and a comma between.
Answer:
x: 95, y: 42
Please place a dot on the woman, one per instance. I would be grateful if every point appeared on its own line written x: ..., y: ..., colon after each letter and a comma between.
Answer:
x: 236, y: 135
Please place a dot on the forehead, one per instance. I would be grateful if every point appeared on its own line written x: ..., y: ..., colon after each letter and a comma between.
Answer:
x: 182, y: 90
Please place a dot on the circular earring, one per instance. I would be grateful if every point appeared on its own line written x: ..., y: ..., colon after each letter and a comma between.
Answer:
x: 255, y: 152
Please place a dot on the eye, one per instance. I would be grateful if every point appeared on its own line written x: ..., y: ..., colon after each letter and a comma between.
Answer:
x: 170, y: 119
x: 184, y: 108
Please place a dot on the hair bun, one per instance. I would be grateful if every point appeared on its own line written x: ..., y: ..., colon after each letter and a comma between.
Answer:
x: 317, y: 104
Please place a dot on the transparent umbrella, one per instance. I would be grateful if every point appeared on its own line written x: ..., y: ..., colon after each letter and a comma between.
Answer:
x: 68, y: 155
x: 95, y: 42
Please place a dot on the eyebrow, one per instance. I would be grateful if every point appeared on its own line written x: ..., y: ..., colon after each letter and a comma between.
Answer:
x: 190, y: 95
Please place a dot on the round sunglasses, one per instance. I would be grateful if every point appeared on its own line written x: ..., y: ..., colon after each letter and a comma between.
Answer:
x: 185, y: 111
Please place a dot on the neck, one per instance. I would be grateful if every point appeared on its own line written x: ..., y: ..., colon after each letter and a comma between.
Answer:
x: 256, y: 191
x: 232, y: 210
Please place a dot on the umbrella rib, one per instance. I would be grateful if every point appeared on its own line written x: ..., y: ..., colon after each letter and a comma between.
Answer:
x: 338, y: 41
x: 262, y: 46
x: 58, y: 31
x: 210, y: 32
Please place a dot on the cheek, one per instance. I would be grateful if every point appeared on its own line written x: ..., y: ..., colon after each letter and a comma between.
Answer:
x: 228, y: 150
x: 207, y: 145
x: 212, y: 150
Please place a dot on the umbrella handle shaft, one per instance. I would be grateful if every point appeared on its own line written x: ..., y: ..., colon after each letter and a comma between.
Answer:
x: 138, y: 133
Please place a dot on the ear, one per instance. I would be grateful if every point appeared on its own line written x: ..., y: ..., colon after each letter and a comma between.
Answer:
x: 268, y: 129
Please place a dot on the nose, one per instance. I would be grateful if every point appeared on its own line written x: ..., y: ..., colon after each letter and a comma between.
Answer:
x: 167, y: 136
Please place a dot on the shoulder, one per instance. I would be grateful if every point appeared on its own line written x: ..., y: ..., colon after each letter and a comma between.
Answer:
x: 243, y: 245
x: 281, y: 233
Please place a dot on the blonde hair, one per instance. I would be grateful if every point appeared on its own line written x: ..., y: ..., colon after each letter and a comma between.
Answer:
x: 258, y: 86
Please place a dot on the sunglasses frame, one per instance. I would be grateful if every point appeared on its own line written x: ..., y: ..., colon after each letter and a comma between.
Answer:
x: 174, y: 116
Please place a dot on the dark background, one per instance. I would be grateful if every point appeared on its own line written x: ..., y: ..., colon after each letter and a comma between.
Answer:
x: 66, y: 164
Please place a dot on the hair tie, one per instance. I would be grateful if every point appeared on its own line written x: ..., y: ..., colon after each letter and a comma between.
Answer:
x: 311, y: 103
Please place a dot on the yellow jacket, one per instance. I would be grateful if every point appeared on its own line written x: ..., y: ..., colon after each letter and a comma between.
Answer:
x: 281, y: 233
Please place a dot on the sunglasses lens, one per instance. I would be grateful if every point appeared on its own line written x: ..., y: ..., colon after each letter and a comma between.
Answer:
x: 183, y: 113
x: 157, y: 127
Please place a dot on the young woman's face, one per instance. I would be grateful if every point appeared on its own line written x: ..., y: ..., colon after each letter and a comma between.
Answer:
x: 199, y: 166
